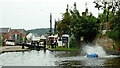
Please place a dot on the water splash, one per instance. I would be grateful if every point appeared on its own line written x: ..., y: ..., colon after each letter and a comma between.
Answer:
x: 97, y: 49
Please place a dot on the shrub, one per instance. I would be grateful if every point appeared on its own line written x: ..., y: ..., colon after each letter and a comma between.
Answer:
x: 73, y: 43
x: 114, y: 35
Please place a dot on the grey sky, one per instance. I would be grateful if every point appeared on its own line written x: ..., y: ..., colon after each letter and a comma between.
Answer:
x: 32, y: 14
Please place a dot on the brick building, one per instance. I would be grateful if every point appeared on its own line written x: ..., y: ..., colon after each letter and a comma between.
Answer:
x: 12, y: 34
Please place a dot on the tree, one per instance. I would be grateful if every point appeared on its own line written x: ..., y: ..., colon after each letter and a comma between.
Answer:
x: 26, y: 39
x: 115, y: 27
x: 107, y: 6
x: 91, y: 28
x: 63, y: 26
x: 76, y: 25
x: 83, y: 26
x: 20, y: 39
x: 55, y: 26
x: 115, y: 22
x: 103, y: 19
x: 59, y: 28
x: 1, y: 40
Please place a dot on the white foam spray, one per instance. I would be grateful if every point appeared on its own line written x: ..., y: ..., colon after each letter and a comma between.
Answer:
x: 90, y: 49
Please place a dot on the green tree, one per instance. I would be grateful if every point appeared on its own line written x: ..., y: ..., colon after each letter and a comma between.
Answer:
x: 83, y: 26
x: 63, y: 26
x: 108, y: 7
x: 103, y: 19
x: 115, y: 29
x: 20, y: 39
x: 59, y: 28
x: 115, y: 22
x: 1, y: 38
x: 26, y: 39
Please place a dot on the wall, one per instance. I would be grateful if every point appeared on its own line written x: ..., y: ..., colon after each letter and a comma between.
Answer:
x: 105, y: 42
x: 15, y: 32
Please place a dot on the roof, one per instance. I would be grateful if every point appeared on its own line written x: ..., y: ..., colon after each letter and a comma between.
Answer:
x: 33, y: 34
x: 42, y: 37
x: 36, y: 35
x: 19, y: 30
x: 4, y: 30
x: 65, y: 35
x: 54, y: 36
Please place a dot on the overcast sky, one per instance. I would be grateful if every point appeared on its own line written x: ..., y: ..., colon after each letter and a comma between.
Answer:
x: 32, y: 14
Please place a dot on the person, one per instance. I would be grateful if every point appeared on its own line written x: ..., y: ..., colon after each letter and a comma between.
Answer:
x: 51, y: 42
x: 55, y: 43
x: 44, y: 44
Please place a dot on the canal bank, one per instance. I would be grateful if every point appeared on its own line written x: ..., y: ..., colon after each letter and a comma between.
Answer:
x: 109, y: 52
x: 113, y: 52
x: 12, y: 49
x: 19, y: 48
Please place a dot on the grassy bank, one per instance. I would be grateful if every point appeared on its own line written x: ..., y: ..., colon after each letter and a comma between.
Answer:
x: 1, y: 46
x: 111, y: 49
x: 64, y: 48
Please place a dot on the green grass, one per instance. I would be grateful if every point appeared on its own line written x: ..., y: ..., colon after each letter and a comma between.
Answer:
x: 112, y: 49
x: 1, y: 46
x: 64, y: 48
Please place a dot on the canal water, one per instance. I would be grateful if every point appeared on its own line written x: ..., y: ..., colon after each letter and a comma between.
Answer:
x: 55, y: 58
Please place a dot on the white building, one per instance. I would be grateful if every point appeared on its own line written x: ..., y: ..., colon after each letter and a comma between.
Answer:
x: 33, y: 37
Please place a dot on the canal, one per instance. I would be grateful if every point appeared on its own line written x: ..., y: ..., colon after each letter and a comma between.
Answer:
x: 55, y: 58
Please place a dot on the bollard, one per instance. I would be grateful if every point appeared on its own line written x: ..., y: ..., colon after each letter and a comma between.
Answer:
x: 23, y: 46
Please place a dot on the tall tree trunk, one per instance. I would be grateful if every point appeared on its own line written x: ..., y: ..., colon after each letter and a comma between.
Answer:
x: 79, y: 42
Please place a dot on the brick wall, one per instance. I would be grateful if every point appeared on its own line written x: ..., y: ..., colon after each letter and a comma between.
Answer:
x: 5, y: 36
x: 15, y: 32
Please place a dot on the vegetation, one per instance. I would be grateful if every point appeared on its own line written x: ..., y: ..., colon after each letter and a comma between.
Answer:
x: 26, y: 39
x: 115, y: 22
x: 109, y: 8
x: 1, y: 40
x: 64, y: 48
x: 73, y: 43
x: 114, y: 35
x: 115, y: 29
x: 39, y: 31
x: 20, y: 39
x: 88, y: 26
x: 63, y: 27
x: 110, y: 16
x: 84, y: 25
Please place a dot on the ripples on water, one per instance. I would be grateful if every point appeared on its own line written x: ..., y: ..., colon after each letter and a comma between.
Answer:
x: 55, y: 58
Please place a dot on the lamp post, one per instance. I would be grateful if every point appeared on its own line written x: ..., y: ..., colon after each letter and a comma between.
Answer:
x: 50, y: 24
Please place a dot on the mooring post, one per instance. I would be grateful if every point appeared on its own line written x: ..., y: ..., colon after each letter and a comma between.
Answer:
x: 23, y: 46
x: 37, y: 43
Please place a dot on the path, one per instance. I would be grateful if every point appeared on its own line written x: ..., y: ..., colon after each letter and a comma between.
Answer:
x: 11, y: 48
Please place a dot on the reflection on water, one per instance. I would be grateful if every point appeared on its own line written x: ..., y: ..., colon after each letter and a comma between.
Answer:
x: 55, y: 58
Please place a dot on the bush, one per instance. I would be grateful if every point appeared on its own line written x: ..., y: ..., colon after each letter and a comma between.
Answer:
x: 114, y: 35
x: 73, y: 43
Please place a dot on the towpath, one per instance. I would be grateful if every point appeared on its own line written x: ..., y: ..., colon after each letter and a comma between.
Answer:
x: 11, y: 48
